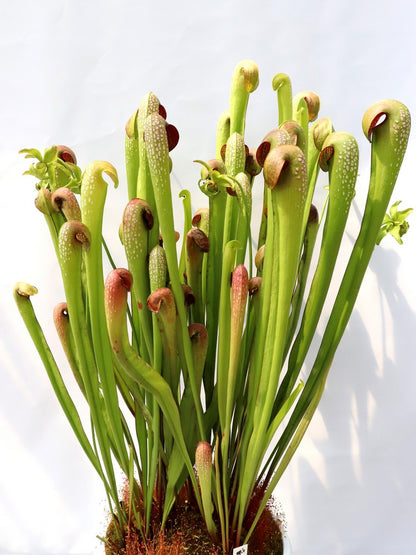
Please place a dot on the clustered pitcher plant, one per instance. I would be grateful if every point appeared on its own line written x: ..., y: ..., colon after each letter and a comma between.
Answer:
x: 190, y: 358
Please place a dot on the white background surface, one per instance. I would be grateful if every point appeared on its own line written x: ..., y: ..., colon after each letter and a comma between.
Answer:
x: 72, y: 72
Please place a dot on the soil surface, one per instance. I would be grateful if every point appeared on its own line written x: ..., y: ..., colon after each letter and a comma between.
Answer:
x: 185, y: 533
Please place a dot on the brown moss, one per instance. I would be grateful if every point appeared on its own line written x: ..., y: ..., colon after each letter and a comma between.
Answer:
x: 267, y: 536
x: 185, y: 533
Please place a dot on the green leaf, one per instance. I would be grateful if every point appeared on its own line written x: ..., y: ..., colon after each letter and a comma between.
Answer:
x: 394, y: 223
x: 50, y: 155
x: 37, y: 170
x: 31, y: 153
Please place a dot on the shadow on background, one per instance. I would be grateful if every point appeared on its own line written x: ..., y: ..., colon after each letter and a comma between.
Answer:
x: 353, y: 477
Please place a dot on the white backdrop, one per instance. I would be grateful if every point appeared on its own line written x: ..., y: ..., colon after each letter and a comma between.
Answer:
x: 72, y: 72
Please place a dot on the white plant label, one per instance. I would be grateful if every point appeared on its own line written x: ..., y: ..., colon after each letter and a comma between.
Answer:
x: 242, y: 550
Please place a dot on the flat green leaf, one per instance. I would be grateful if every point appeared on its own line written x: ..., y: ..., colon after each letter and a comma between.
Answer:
x: 394, y: 223
x: 31, y: 153
x: 50, y: 155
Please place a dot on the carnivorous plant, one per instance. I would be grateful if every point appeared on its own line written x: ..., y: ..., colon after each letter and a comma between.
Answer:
x: 190, y: 357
